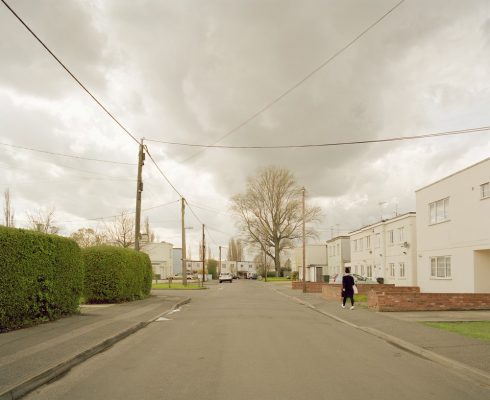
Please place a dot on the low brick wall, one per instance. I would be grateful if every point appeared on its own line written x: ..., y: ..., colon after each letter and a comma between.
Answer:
x: 311, y: 287
x: 406, y: 301
x: 332, y: 291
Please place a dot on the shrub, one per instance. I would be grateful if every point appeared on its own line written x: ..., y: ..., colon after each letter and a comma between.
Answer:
x: 115, y: 274
x: 41, y: 277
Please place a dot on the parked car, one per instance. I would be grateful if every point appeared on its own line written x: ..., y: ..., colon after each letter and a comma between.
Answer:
x: 225, y: 277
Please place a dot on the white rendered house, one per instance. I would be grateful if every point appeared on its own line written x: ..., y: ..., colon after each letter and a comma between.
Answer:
x: 453, y: 232
x: 316, y: 261
x: 161, y: 257
x: 387, y: 249
x: 338, y: 250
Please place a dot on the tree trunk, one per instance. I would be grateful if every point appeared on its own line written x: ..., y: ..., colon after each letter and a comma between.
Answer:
x: 277, y: 260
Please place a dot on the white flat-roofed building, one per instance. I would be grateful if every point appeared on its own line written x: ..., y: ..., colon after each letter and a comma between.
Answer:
x: 316, y: 261
x: 161, y: 257
x: 387, y: 249
x: 338, y: 250
x: 453, y: 232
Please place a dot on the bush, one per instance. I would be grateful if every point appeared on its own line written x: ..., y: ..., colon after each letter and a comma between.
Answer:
x: 116, y: 274
x: 41, y: 277
x: 295, y: 275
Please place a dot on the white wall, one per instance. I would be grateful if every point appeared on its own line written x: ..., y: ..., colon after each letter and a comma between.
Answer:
x: 161, y: 256
x: 466, y: 231
x: 380, y: 253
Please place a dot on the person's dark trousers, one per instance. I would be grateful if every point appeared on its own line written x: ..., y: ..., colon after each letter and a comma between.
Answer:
x: 348, y: 297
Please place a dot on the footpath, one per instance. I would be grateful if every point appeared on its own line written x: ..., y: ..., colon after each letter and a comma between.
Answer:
x: 34, y: 356
x: 467, y: 356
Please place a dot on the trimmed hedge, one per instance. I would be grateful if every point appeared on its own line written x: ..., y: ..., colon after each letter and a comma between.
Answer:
x: 41, y: 277
x: 115, y: 274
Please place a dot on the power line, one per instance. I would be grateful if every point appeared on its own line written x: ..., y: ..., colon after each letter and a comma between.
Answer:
x: 161, y: 172
x: 392, y: 139
x: 65, y: 155
x: 301, y: 81
x: 70, y: 73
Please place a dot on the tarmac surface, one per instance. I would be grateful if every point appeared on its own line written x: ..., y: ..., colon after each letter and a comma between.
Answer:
x: 34, y: 356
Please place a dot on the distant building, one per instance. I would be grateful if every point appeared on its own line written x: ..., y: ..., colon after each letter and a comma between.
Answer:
x: 453, y: 232
x: 177, y: 260
x: 387, y: 249
x: 161, y: 257
x: 338, y: 251
x: 316, y: 262
x: 239, y: 268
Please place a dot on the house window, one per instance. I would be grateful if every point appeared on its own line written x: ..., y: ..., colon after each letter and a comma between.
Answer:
x: 355, y: 269
x: 360, y: 244
x: 377, y: 240
x: 440, y: 267
x: 439, y: 211
x: 355, y: 245
x: 362, y: 270
x: 485, y: 190
x: 392, y: 270
x: 338, y: 249
x: 370, y: 271
x: 391, y: 237
x: 401, y: 234
x: 402, y: 269
x: 368, y: 242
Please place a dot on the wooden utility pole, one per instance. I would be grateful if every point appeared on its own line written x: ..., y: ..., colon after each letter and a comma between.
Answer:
x: 304, y: 243
x: 184, y: 263
x: 203, y: 254
x: 139, y: 189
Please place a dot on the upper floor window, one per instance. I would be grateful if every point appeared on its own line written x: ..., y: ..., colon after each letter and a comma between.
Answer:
x: 338, y: 249
x: 401, y: 234
x: 368, y: 242
x: 440, y: 267
x: 439, y: 211
x: 377, y: 240
x: 485, y: 190
x: 355, y: 245
x: 360, y: 243
x: 391, y: 237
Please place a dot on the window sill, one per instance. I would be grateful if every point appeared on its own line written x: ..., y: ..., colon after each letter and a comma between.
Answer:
x: 434, y: 278
x: 485, y: 198
x: 440, y: 222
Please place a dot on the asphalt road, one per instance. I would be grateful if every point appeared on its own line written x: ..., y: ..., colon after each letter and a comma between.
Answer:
x: 245, y: 341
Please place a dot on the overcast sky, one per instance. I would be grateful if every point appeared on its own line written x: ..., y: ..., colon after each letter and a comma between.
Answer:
x: 190, y: 71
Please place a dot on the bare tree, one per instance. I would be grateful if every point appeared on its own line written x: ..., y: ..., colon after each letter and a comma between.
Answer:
x: 120, y: 231
x: 235, y: 250
x: 270, y: 212
x: 86, y: 237
x: 150, y: 234
x: 43, y: 220
x: 8, y: 211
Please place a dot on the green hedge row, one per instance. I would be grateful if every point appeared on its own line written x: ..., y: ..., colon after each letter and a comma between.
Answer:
x: 115, y: 274
x: 41, y: 277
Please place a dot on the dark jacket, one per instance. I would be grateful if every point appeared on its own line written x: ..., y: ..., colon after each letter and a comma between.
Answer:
x: 348, y: 286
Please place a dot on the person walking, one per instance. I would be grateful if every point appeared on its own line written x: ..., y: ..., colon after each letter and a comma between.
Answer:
x: 348, y: 288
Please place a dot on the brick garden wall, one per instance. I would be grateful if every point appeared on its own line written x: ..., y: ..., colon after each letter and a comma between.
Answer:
x: 406, y: 301
x: 332, y: 291
x: 311, y: 287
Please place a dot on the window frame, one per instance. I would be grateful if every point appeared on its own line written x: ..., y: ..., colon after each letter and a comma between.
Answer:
x: 439, y: 211
x: 485, y: 191
x: 440, y: 264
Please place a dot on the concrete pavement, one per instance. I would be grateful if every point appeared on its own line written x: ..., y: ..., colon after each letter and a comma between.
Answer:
x: 33, y: 356
x: 470, y: 357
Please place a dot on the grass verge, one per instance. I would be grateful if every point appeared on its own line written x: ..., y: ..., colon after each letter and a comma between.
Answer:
x: 276, y: 279
x: 476, y: 329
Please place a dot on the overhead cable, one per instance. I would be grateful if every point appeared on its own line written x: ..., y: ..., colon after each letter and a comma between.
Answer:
x: 161, y: 172
x: 71, y: 73
x: 65, y: 155
x: 392, y: 139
